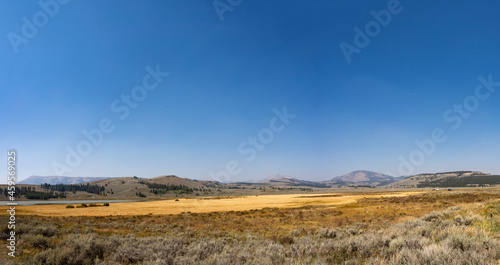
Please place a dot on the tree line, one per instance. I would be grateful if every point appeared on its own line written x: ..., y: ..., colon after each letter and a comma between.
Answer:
x: 473, y: 180
x: 31, y: 194
x: 95, y: 189
x: 156, y: 188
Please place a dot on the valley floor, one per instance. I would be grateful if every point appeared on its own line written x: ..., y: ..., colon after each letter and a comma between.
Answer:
x: 207, y: 204
x: 412, y: 227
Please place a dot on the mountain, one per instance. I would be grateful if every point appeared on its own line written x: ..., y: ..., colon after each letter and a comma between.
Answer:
x: 355, y: 178
x: 37, y: 180
x: 131, y: 187
x: 361, y: 178
x: 273, y: 177
x: 174, y: 180
x: 126, y: 187
x: 447, y: 179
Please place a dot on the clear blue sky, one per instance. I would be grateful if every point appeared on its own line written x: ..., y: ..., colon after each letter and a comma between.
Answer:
x: 227, y: 76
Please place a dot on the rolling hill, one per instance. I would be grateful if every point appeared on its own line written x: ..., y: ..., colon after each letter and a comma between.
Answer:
x: 361, y: 178
x: 448, y: 179
x: 173, y: 186
x: 126, y: 187
x: 174, y: 180
x: 162, y: 186
x: 288, y: 181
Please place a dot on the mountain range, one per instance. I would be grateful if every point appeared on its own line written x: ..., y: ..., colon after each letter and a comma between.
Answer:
x: 127, y: 185
x: 37, y: 180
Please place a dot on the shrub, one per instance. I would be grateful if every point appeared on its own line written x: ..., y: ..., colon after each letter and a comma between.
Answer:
x: 4, y: 232
x: 70, y: 206
x: 74, y: 249
x: 84, y: 205
x: 195, y: 239
x: 327, y: 233
x: 471, y: 218
x: 106, y: 204
x: 434, y: 216
x: 286, y: 240
x: 47, y: 231
x: 37, y: 241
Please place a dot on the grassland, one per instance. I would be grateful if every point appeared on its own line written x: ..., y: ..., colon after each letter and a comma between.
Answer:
x: 349, y: 228
x: 203, y: 205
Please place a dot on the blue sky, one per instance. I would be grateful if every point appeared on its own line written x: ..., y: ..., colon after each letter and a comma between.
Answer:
x: 227, y: 78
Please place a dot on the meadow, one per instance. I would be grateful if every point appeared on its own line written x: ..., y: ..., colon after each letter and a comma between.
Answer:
x: 410, y: 227
x: 208, y: 204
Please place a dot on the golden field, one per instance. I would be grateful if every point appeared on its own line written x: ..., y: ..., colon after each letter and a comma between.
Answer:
x: 204, y: 205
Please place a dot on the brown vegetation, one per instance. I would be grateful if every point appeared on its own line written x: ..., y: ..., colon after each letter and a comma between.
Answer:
x: 215, y: 204
x: 441, y: 228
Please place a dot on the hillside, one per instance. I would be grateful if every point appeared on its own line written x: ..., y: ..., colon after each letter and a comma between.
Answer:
x: 169, y: 186
x: 361, y: 178
x: 174, y: 180
x: 126, y: 187
x: 37, y: 180
x: 447, y: 179
x: 162, y: 186
x: 113, y: 188
x: 287, y: 181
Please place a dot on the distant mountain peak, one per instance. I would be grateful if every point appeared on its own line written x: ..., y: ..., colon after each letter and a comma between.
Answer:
x: 362, y: 177
x: 37, y: 180
x: 275, y: 177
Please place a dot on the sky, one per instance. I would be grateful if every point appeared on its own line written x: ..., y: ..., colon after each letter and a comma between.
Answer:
x: 242, y: 90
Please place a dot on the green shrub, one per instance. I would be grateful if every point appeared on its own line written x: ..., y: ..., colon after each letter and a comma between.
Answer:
x: 106, y: 204
x: 70, y: 206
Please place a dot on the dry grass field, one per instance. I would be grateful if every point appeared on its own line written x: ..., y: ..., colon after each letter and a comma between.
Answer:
x: 204, y: 205
x: 410, y: 227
